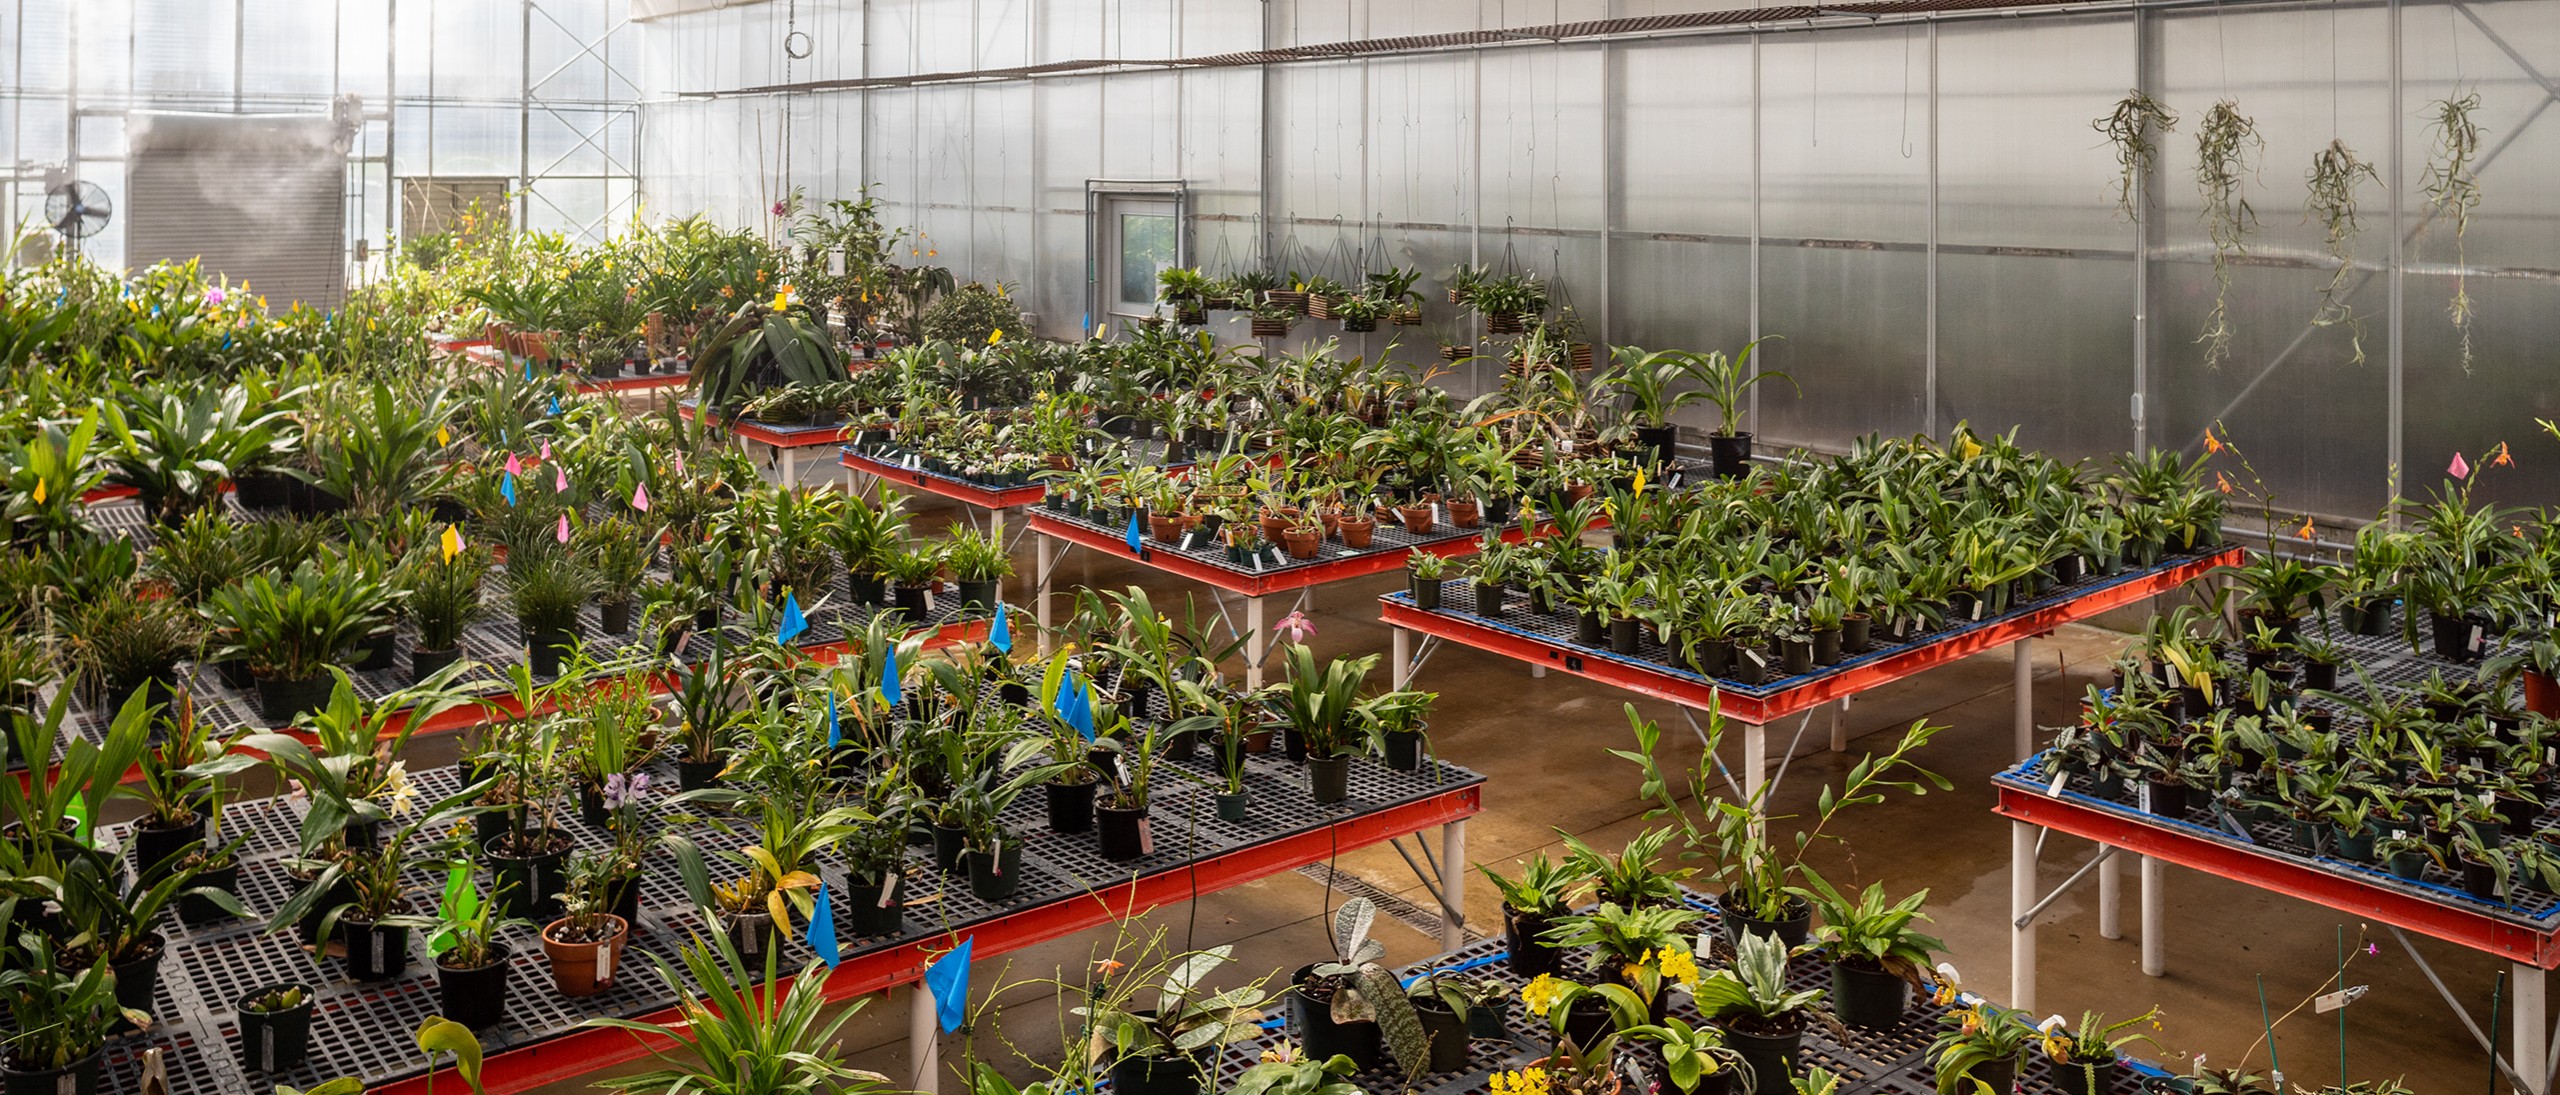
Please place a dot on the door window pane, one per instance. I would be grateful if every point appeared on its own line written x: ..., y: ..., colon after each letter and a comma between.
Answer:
x: 1146, y: 249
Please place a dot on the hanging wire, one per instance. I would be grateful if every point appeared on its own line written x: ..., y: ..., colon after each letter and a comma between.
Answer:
x: 1907, y: 31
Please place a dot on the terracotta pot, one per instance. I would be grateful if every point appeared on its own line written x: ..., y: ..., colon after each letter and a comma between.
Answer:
x: 584, y: 969
x: 1416, y: 519
x: 1356, y: 532
x: 1302, y: 543
x: 1465, y: 514
x: 1166, y: 528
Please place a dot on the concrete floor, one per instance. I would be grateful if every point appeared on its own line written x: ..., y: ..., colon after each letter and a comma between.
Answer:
x: 1541, y: 744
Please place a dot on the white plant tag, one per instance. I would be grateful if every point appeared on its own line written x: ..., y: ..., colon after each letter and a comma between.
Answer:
x: 1439, y: 516
x: 1977, y: 608
x: 996, y: 855
x: 1257, y: 562
x: 2055, y: 790
x: 266, y: 1049
x: 378, y: 961
x: 2475, y: 638
x: 2142, y: 796
x: 888, y: 891
x: 2399, y: 834
x: 1677, y: 478
x: 2329, y: 1002
x: 1146, y: 836
x: 1188, y: 538
x: 604, y: 964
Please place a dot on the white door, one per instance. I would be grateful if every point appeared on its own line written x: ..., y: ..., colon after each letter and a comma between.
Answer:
x: 1140, y: 238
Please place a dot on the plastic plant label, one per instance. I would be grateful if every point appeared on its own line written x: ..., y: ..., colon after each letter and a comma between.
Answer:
x: 1677, y: 478
x: 2142, y: 796
x: 888, y: 891
x: 995, y: 854
x: 2054, y: 790
x: 2329, y: 1002
x: 266, y: 1052
x: 1188, y: 539
x: 604, y: 965
x: 1977, y: 608
x: 1439, y: 516
x: 378, y: 962
x: 2476, y: 636
x: 1146, y: 836
x: 2399, y: 834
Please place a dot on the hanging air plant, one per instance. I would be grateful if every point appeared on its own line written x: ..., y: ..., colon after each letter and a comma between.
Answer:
x: 2223, y: 165
x: 2452, y: 181
x: 2335, y: 170
x: 2134, y: 128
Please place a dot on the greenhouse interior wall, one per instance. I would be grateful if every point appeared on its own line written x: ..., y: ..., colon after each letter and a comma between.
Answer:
x: 1916, y: 206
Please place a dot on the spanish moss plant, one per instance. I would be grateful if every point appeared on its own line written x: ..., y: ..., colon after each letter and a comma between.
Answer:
x: 2134, y: 128
x: 2452, y: 181
x: 2223, y: 165
x: 2335, y: 170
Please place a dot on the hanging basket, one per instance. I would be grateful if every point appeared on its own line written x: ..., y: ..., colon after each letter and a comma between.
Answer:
x: 1457, y: 353
x: 1409, y: 315
x: 1290, y: 297
x: 1319, y: 306
x: 1504, y: 324
x: 1270, y: 328
x: 1190, y: 315
x: 1360, y: 324
x: 1222, y: 304
x: 1582, y: 355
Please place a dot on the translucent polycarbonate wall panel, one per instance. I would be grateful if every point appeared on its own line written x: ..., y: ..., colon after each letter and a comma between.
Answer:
x: 363, y: 50
x: 2507, y: 253
x: 1852, y: 321
x: 1682, y: 294
x: 1138, y: 130
x: 2038, y: 332
x: 1221, y: 151
x: 1060, y: 285
x: 2018, y: 164
x: 1844, y: 130
x: 1845, y: 204
x: 102, y: 39
x: 1323, y: 151
x: 1422, y: 125
x: 2316, y: 427
x: 295, y: 48
x: 2039, y: 343
x: 1542, y: 117
x: 1683, y: 112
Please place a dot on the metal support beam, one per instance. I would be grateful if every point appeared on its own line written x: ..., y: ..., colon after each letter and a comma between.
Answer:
x: 2473, y: 1025
x: 2022, y: 687
x: 2106, y: 854
x: 1453, y: 883
x: 2022, y: 928
x: 924, y: 1042
x: 2155, y: 917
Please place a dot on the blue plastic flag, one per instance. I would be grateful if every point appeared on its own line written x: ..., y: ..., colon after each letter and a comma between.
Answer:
x: 890, y: 693
x: 948, y: 977
x: 1073, y: 706
x: 793, y: 623
x: 822, y: 930
x: 1000, y: 633
x: 528, y: 370
x: 507, y: 488
x: 555, y: 403
x: 1135, y: 542
x: 835, y: 730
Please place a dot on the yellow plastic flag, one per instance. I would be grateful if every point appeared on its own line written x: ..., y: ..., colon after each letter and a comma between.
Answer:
x: 1968, y: 448
x: 1639, y: 487
x: 452, y: 542
x: 444, y: 436
x: 39, y: 492
x: 996, y: 336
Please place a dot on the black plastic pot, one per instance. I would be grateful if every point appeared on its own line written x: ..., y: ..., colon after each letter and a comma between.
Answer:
x: 1529, y: 956
x: 1791, y: 930
x: 1446, y: 1032
x: 1750, y: 665
x: 427, y: 663
x: 694, y: 775
x: 260, y: 490
x: 1795, y: 656
x: 476, y: 997
x: 544, y: 647
x: 1312, y: 1020
x: 138, y: 978
x: 197, y: 910
x: 950, y: 848
x: 2365, y: 617
x: 1489, y: 596
x: 1827, y: 646
x: 1587, y: 629
x: 613, y: 617
x: 153, y: 847
x: 1659, y: 442
x: 1404, y: 751
x: 1426, y: 592
x: 1173, y: 1075
x: 910, y: 601
x: 2002, y: 1076
x: 1624, y: 633
x: 1857, y: 634
x: 340, y: 892
x: 78, y: 1078
x: 375, y: 952
x: 1731, y: 454
x: 1772, y: 1059
x: 2168, y: 799
x: 1331, y: 778
x: 1071, y: 806
x: 2459, y: 638
x: 870, y: 914
x: 1122, y: 832
x: 377, y: 653
x: 2086, y: 1079
x: 978, y: 596
x: 1870, y: 999
x: 865, y: 589
x: 751, y: 933
x: 280, y: 701
x: 2479, y: 879
x: 273, y: 1041
x: 529, y: 886
x: 994, y: 877
x: 1235, y: 807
